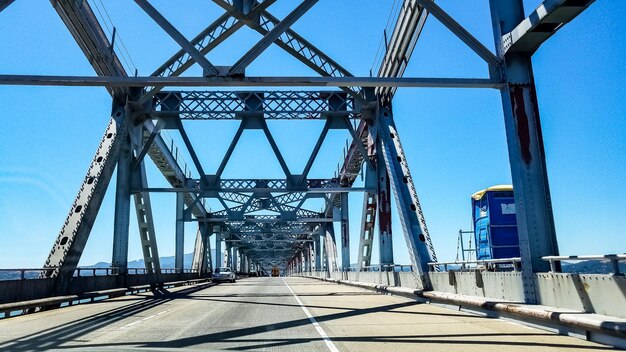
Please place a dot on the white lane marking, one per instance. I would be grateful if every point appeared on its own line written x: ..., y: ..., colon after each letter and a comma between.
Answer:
x: 142, y: 320
x: 331, y: 346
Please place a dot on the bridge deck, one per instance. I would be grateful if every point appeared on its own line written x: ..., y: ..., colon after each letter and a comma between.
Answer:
x: 262, y: 313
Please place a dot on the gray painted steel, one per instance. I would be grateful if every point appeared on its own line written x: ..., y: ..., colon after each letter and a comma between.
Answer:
x: 535, y: 221
x: 290, y: 238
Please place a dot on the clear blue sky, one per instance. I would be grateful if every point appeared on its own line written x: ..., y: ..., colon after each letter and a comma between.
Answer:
x: 454, y: 139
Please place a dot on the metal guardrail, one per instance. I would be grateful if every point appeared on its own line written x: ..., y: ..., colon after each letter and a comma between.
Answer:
x: 21, y: 272
x: 390, y: 267
x: 375, y: 268
x: 516, y: 263
x: 613, y: 258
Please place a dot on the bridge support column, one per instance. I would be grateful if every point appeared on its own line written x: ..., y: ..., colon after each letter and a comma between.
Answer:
x: 311, y: 252
x: 318, y: 253
x: 227, y: 254
x: 535, y: 221
x: 202, y: 250
x: 233, y: 258
x: 306, y: 257
x: 219, y: 258
x: 383, y: 200
x: 179, y: 249
x: 345, y: 233
x: 121, y: 221
x: 330, y: 249
x: 368, y: 219
x: 421, y: 251
x: 311, y: 256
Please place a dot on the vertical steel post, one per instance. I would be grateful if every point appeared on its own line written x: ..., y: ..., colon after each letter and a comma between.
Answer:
x: 179, y: 250
x: 233, y: 258
x: 345, y: 233
x: 228, y: 258
x: 309, y: 252
x: 330, y: 249
x: 208, y: 259
x: 219, y: 260
x: 368, y: 220
x: 535, y: 221
x: 383, y: 201
x: 318, y: 252
x: 121, y: 221
x: 311, y: 256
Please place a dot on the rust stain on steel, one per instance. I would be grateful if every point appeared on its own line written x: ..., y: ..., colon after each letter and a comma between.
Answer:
x: 384, y: 207
x: 521, y: 121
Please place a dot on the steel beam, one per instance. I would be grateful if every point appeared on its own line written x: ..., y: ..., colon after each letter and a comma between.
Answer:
x: 219, y: 105
x: 421, y: 251
x: 330, y: 249
x: 233, y: 258
x: 294, y: 44
x: 317, y: 248
x: 345, y: 233
x: 4, y: 4
x: 207, y: 40
x: 145, y: 222
x: 125, y: 82
x: 383, y: 202
x: 121, y: 220
x: 541, y: 24
x: 271, y: 36
x: 90, y: 37
x: 219, y: 256
x: 460, y: 32
x: 178, y: 37
x: 202, y: 250
x: 398, y: 50
x: 70, y: 242
x: 535, y: 221
x: 179, y: 244
x: 368, y: 219
x: 198, y: 250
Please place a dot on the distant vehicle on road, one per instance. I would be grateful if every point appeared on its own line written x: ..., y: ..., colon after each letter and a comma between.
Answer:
x: 275, y: 271
x: 224, y: 275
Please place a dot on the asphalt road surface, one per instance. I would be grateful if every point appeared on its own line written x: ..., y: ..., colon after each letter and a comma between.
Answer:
x: 272, y: 314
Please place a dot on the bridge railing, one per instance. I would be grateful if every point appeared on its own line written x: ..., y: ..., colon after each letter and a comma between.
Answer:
x: 614, y: 259
x: 487, y: 264
x: 34, y: 273
x: 391, y: 267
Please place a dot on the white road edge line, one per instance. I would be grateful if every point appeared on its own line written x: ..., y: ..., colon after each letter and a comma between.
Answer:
x: 331, y: 346
x: 144, y: 319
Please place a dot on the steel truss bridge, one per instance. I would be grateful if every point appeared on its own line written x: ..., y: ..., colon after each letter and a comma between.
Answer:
x: 264, y: 223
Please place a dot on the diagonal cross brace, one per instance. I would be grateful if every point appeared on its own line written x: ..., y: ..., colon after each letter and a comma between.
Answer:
x: 271, y: 37
x: 295, y: 45
x: 177, y: 36
x: 212, y: 36
x: 460, y: 32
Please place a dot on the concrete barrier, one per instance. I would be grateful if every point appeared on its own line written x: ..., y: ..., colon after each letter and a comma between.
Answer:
x: 603, y: 324
x: 57, y: 301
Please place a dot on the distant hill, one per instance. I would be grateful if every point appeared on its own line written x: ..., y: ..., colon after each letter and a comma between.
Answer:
x: 166, y: 262
x: 591, y: 267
